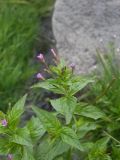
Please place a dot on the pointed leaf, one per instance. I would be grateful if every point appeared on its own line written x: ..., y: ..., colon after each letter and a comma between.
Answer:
x: 70, y: 137
x: 85, y: 127
x: 48, y: 120
x: 98, y: 151
x: 35, y: 128
x: 48, y: 151
x: 89, y: 111
x: 78, y: 83
x: 27, y: 154
x: 21, y: 137
x: 51, y: 85
x: 65, y: 106
x: 4, y: 146
x: 14, y: 114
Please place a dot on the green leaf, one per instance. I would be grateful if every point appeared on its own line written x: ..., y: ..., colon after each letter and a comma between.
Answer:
x: 85, y: 127
x: 59, y: 158
x: 27, y: 154
x: 46, y: 85
x: 77, y: 83
x: 2, y: 115
x: 70, y: 137
x: 98, y: 151
x: 65, y: 106
x: 89, y: 111
x: 48, y: 120
x: 35, y: 128
x: 48, y: 151
x: 88, y: 146
x: 4, y: 146
x: 116, y: 152
x: 13, y: 116
x: 51, y: 85
x: 3, y: 130
x: 22, y: 137
x: 58, y: 69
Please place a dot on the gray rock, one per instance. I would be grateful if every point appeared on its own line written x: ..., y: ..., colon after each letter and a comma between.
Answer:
x: 80, y: 26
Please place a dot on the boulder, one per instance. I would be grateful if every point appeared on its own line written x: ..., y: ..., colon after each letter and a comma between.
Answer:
x: 81, y: 26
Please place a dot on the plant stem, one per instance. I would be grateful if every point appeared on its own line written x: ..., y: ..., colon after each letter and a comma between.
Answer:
x: 69, y: 157
x: 112, y: 137
x: 105, y: 90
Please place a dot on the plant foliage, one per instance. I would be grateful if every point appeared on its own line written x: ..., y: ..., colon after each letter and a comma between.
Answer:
x: 74, y: 128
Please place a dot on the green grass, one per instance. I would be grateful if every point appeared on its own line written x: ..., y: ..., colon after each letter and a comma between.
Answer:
x: 19, y: 27
x: 105, y: 94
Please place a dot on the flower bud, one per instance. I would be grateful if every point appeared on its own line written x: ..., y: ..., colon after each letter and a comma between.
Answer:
x: 53, y: 52
x: 72, y: 65
x: 40, y: 76
x: 10, y: 157
x: 4, y: 122
x: 41, y: 58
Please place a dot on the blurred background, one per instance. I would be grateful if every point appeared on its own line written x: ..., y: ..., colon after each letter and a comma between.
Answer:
x: 25, y: 31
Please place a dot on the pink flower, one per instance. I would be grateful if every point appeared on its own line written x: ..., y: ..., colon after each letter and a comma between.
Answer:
x: 40, y: 76
x: 72, y: 65
x: 41, y: 57
x: 10, y: 157
x: 4, y: 122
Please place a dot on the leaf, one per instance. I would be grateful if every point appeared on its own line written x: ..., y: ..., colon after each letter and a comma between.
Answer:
x: 58, y: 69
x: 35, y: 128
x: 99, y: 149
x: 51, y: 85
x: 27, y: 154
x: 46, y: 85
x: 89, y: 111
x: 48, y: 151
x: 2, y: 115
x: 65, y: 106
x: 4, y: 146
x: 70, y: 137
x: 88, y: 146
x: 48, y: 120
x: 78, y: 83
x: 13, y: 116
x: 22, y: 137
x: 3, y: 130
x: 116, y: 152
x: 59, y: 158
x: 85, y: 127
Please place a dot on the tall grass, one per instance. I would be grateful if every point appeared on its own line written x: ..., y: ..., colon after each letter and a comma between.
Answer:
x: 107, y: 91
x: 19, y: 27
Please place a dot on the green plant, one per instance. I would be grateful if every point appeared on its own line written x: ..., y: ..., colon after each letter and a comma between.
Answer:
x: 67, y: 131
x: 19, y: 21
x: 107, y: 90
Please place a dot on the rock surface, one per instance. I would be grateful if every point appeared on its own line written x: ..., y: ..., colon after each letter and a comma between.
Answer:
x: 79, y: 27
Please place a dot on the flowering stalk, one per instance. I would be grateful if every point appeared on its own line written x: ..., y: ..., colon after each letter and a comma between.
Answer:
x: 57, y: 60
x: 72, y: 65
x: 42, y: 59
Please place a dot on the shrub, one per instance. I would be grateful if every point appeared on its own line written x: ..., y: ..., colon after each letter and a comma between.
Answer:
x: 73, y: 129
